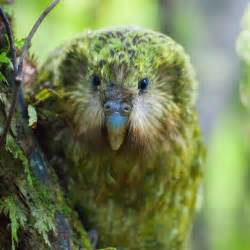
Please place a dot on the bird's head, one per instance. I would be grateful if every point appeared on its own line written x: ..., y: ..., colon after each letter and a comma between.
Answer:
x: 126, y: 87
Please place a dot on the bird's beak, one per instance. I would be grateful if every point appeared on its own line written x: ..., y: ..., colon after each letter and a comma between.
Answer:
x: 116, y: 127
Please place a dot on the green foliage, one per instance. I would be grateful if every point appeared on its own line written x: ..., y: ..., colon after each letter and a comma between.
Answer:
x: 42, y: 214
x: 4, y: 60
x: 44, y: 221
x: 43, y: 211
x: 19, y: 43
x: 32, y: 116
x: 9, y: 207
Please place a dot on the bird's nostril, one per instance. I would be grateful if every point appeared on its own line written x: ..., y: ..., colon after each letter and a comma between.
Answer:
x: 107, y: 107
x: 126, y: 108
x: 113, y: 106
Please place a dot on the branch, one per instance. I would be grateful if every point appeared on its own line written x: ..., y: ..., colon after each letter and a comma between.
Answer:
x: 31, y: 34
x: 18, y: 70
x: 10, y: 38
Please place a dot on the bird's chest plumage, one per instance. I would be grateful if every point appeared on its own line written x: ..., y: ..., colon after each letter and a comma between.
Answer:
x: 127, y: 181
x: 125, y: 195
x: 135, y: 195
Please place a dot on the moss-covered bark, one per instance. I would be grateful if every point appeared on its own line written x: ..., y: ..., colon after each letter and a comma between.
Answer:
x: 33, y: 211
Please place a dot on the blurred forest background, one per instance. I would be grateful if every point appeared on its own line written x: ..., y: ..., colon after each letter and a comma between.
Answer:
x: 208, y: 29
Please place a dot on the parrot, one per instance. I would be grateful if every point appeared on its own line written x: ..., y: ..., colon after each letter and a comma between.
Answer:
x: 117, y: 121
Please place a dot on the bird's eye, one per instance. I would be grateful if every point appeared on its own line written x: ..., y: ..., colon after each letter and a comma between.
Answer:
x: 143, y: 84
x: 96, y: 81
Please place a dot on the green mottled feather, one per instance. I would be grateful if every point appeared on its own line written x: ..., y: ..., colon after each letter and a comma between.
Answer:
x: 144, y: 195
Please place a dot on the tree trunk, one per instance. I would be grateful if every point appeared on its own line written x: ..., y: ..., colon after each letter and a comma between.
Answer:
x: 33, y: 211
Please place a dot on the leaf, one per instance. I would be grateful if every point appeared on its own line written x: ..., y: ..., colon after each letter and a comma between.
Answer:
x: 4, y: 58
x: 2, y: 78
x: 19, y: 43
x: 46, y: 93
x: 32, y: 116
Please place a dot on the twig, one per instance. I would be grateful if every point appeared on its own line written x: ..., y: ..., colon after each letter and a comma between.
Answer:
x: 18, y: 70
x: 32, y: 32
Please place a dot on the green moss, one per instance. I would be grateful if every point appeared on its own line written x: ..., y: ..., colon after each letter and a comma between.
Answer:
x: 39, y: 199
x: 17, y: 153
